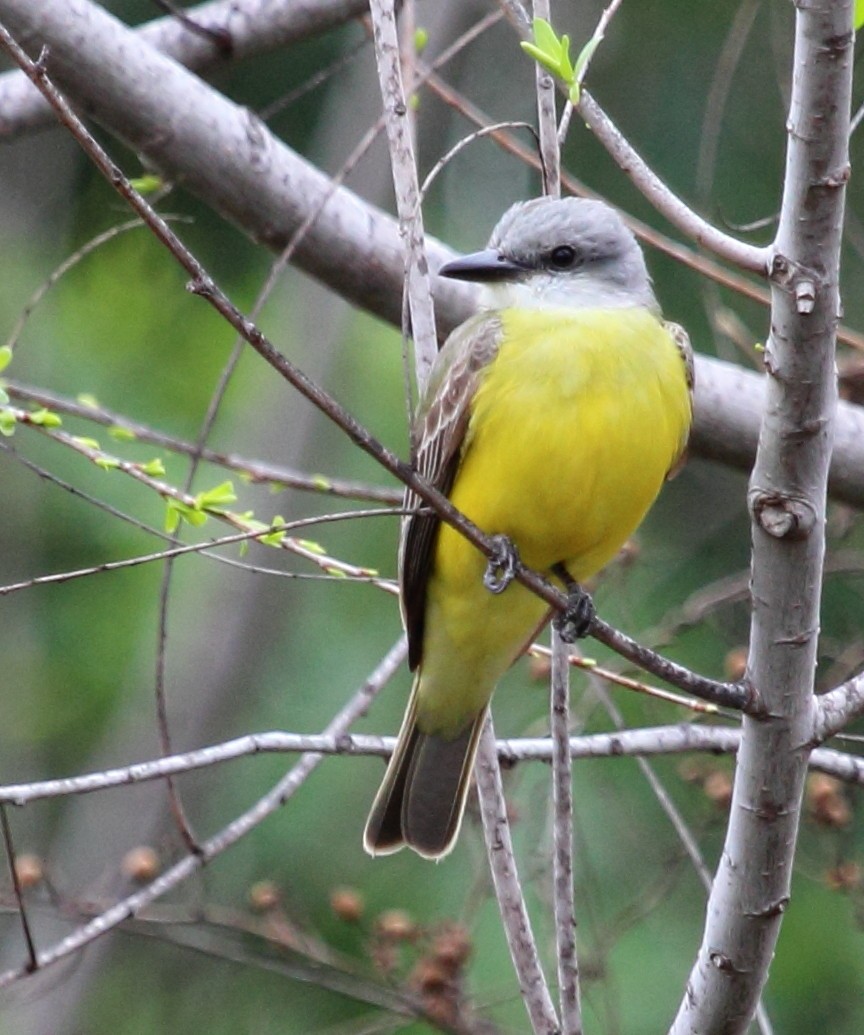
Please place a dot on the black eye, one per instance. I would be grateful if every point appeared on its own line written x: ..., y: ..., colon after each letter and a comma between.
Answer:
x: 563, y: 257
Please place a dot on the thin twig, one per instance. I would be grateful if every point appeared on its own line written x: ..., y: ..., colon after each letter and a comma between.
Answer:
x: 683, y: 738
x: 562, y: 851
x: 16, y: 887
x: 404, y: 169
x: 502, y: 863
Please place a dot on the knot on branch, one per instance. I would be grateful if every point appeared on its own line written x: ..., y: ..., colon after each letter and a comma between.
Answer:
x: 802, y: 283
x: 780, y: 515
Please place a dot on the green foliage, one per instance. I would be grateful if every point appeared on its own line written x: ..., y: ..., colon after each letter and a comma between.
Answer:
x: 553, y: 52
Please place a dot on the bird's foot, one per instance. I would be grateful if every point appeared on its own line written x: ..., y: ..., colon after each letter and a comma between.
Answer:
x: 574, y: 622
x: 503, y: 564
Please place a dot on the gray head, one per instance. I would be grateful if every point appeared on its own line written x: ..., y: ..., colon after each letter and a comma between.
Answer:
x: 569, y: 251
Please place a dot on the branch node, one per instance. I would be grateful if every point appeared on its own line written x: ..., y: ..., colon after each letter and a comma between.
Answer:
x: 782, y: 516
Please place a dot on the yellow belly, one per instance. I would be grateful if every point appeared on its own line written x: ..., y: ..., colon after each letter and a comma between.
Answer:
x: 572, y: 432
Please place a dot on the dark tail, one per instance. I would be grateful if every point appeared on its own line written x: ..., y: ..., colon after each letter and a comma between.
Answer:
x: 422, y: 797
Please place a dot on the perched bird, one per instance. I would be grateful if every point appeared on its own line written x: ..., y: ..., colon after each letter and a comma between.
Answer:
x: 551, y: 418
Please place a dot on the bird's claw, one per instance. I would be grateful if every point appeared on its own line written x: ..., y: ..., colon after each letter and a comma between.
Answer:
x: 503, y: 564
x: 574, y: 622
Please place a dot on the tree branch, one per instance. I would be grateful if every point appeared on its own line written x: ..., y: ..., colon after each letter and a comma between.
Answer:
x: 787, y: 502
x: 508, y: 889
x: 252, y: 26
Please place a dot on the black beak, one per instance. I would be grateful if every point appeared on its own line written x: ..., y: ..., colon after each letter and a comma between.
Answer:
x: 482, y: 267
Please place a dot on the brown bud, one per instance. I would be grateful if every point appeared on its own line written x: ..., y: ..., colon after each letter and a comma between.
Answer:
x: 718, y: 788
x: 347, y: 904
x: 429, y: 976
x: 451, y: 947
x: 396, y: 925
x: 845, y: 876
x: 28, y: 870
x: 141, y: 864
x: 735, y: 664
x: 539, y: 667
x: 828, y: 805
x: 692, y: 770
x: 265, y: 895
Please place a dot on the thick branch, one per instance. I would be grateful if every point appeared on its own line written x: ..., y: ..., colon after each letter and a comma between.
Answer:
x: 250, y: 27
x: 787, y: 502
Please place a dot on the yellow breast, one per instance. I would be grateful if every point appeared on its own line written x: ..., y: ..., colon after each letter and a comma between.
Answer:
x: 573, y: 429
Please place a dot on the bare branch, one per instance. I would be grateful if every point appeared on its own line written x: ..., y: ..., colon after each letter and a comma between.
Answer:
x: 684, y: 738
x: 404, y: 168
x: 787, y: 503
x: 252, y: 26
x: 502, y: 863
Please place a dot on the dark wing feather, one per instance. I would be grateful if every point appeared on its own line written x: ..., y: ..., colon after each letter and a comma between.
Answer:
x: 436, y: 449
x: 682, y: 343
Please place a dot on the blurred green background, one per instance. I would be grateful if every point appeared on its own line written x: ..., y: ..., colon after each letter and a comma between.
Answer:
x: 701, y: 90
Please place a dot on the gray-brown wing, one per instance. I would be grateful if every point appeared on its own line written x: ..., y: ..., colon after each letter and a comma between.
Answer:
x: 436, y: 449
x: 682, y: 342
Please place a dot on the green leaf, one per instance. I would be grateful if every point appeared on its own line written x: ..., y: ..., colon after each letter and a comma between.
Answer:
x: 545, y: 36
x: 45, y: 418
x: 421, y: 39
x: 858, y: 16
x: 122, y: 434
x: 312, y: 546
x: 585, y: 55
x: 8, y: 420
x: 148, y: 184
x: 88, y: 443
x: 4, y: 398
x: 275, y: 538
x: 5, y: 357
x: 88, y: 400
x: 550, y: 51
x: 155, y: 468
x: 322, y: 482
x: 177, y: 510
x: 218, y: 496
x: 336, y: 573
x: 107, y: 463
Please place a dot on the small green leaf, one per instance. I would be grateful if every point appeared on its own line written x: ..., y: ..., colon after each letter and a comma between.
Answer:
x: 545, y: 36
x: 337, y: 573
x: 8, y: 420
x: 312, y: 546
x: 275, y: 538
x: 45, y: 418
x: 858, y: 17
x: 177, y: 510
x: 4, y: 398
x: 218, y: 496
x: 148, y: 184
x: 550, y: 51
x: 320, y: 482
x: 585, y: 55
x: 421, y: 39
x: 154, y: 468
x: 121, y: 434
x: 5, y: 357
x: 88, y: 400
x: 107, y: 463
x: 87, y: 443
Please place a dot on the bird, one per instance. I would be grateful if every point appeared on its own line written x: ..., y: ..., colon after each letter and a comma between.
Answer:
x: 551, y: 418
